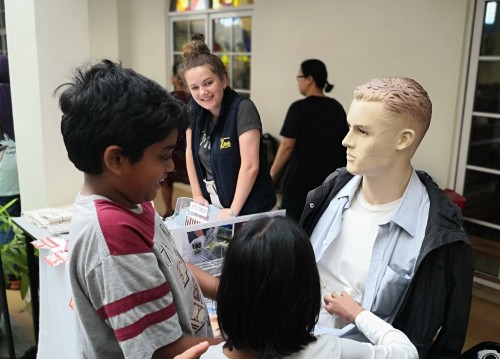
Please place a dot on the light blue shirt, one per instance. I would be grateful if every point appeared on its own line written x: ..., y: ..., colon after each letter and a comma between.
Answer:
x: 394, y: 254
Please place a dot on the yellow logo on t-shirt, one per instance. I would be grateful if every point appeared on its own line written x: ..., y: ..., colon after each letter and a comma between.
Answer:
x: 225, y: 143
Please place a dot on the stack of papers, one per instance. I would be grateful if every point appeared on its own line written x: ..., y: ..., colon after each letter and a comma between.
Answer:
x: 56, y: 220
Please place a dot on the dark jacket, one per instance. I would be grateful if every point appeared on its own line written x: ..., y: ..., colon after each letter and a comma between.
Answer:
x: 439, y: 294
x: 225, y: 157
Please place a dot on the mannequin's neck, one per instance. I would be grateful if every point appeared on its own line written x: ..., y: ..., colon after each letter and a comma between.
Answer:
x: 386, y: 188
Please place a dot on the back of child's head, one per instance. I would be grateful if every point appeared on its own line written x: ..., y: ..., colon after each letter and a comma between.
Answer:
x: 106, y: 105
x: 269, y: 293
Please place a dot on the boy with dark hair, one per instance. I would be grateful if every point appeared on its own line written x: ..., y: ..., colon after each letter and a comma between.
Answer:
x: 134, y: 295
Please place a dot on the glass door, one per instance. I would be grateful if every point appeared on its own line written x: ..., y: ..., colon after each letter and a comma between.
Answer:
x: 478, y: 172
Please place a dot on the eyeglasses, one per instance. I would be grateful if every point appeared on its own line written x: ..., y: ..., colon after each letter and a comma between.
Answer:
x: 300, y: 76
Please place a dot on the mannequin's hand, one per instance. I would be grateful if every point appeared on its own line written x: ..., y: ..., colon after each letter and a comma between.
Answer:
x: 200, y: 199
x: 342, y: 305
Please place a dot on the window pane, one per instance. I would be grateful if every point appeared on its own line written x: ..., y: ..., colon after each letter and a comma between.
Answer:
x: 181, y: 5
x: 490, y: 40
x: 199, y: 4
x: 3, y: 44
x: 241, y: 72
x: 225, y: 61
x: 482, y: 263
x: 217, y: 4
x: 197, y: 27
x: 487, y: 97
x: 243, y: 34
x: 184, y: 30
x: 177, y: 59
x: 222, y: 35
x: 188, y: 5
x: 484, y: 148
x: 181, y: 34
x: 481, y: 231
x: 486, y: 264
x: 482, y: 193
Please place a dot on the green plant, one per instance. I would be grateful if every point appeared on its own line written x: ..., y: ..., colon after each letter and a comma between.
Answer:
x: 14, y: 252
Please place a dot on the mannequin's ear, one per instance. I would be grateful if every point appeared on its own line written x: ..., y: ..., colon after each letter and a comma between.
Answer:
x: 113, y: 159
x: 406, y: 139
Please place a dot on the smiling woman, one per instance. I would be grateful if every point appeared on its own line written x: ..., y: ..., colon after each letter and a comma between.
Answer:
x: 225, y: 157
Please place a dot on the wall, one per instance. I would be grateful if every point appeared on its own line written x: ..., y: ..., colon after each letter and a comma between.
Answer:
x: 357, y: 39
x: 45, y: 41
x: 148, y: 39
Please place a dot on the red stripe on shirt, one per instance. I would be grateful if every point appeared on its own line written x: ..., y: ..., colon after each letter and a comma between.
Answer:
x: 145, y: 322
x: 125, y: 231
x: 125, y: 304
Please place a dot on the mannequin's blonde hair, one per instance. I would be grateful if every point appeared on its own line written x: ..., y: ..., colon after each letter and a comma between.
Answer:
x: 402, y: 97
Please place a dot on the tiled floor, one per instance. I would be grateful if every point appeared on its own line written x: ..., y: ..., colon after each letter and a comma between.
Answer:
x: 21, y: 324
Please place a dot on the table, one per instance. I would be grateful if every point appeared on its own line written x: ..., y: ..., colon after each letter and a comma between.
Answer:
x: 53, y: 319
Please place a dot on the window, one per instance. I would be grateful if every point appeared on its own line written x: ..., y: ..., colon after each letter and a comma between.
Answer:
x: 227, y: 28
x: 478, y: 171
x: 3, y: 32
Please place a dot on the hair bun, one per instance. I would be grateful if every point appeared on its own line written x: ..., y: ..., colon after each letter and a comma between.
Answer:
x: 195, y: 47
x: 328, y: 87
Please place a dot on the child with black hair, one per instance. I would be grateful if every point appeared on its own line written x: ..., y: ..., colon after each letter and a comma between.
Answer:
x: 133, y: 293
x: 269, y: 297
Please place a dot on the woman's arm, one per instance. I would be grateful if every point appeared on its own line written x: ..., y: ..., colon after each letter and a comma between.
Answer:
x: 193, y: 178
x: 208, y: 283
x: 284, y: 151
x: 249, y: 152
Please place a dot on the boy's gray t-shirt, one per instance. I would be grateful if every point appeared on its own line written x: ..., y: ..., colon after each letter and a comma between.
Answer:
x: 132, y: 290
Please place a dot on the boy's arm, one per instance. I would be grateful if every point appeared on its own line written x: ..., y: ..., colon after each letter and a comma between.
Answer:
x: 208, y: 283
x: 182, y: 344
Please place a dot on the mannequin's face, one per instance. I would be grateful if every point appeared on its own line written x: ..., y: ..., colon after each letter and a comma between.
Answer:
x: 372, y: 139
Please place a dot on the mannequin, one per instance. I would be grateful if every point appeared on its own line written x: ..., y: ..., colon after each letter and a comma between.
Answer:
x: 412, y: 240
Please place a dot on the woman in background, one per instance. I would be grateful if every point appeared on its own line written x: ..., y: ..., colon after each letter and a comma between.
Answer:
x: 224, y: 155
x: 179, y: 174
x: 312, y: 133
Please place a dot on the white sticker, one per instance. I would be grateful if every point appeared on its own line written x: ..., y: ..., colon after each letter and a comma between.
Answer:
x: 199, y: 209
